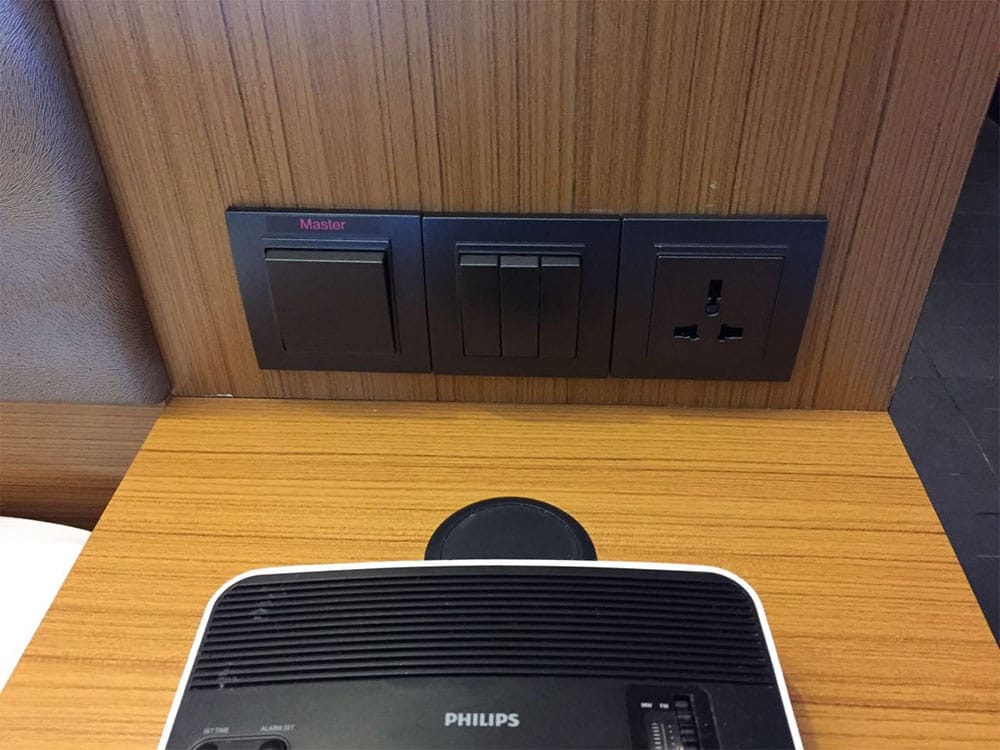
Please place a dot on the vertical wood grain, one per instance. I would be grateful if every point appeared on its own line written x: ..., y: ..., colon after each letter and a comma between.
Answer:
x: 845, y: 173
x: 863, y: 112
x: 704, y: 142
x: 914, y: 179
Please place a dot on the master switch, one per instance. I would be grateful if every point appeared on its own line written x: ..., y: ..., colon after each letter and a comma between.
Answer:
x: 332, y: 291
x: 330, y: 300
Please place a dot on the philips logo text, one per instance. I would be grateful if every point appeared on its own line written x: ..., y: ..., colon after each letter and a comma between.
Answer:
x: 452, y: 719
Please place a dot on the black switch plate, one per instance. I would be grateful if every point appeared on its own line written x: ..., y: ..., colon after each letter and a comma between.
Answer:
x: 556, y: 282
x: 332, y: 291
x: 331, y: 300
x: 559, y: 306
x: 714, y: 298
x: 519, y: 303
x: 479, y: 295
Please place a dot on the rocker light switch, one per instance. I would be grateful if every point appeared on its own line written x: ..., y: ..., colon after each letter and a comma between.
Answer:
x: 332, y: 291
x: 331, y: 301
x: 559, y: 306
x: 519, y: 305
x: 479, y: 294
x: 521, y: 295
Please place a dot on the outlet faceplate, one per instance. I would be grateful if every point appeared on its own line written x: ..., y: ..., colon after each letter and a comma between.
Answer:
x: 714, y: 298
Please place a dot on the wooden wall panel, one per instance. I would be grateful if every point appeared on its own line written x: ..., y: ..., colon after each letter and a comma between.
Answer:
x: 864, y: 112
x: 62, y: 462
x: 909, y: 195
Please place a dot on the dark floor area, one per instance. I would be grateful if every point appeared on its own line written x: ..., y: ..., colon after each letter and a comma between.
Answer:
x: 946, y: 406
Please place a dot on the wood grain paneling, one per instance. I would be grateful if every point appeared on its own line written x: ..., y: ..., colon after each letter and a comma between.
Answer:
x: 62, y: 462
x: 880, y: 638
x: 864, y: 112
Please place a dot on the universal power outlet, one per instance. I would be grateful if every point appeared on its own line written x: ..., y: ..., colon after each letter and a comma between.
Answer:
x: 714, y: 298
x: 712, y: 310
x: 713, y: 307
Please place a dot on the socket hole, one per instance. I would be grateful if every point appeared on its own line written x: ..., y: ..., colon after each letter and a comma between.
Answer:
x: 714, y: 304
x: 730, y: 333
x: 688, y: 333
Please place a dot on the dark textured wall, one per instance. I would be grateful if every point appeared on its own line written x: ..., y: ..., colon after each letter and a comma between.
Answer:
x: 73, y: 324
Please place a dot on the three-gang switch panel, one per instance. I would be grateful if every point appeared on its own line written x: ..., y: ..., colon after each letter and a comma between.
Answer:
x: 585, y: 296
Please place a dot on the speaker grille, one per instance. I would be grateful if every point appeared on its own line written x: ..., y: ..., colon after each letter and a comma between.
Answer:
x: 423, y: 621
